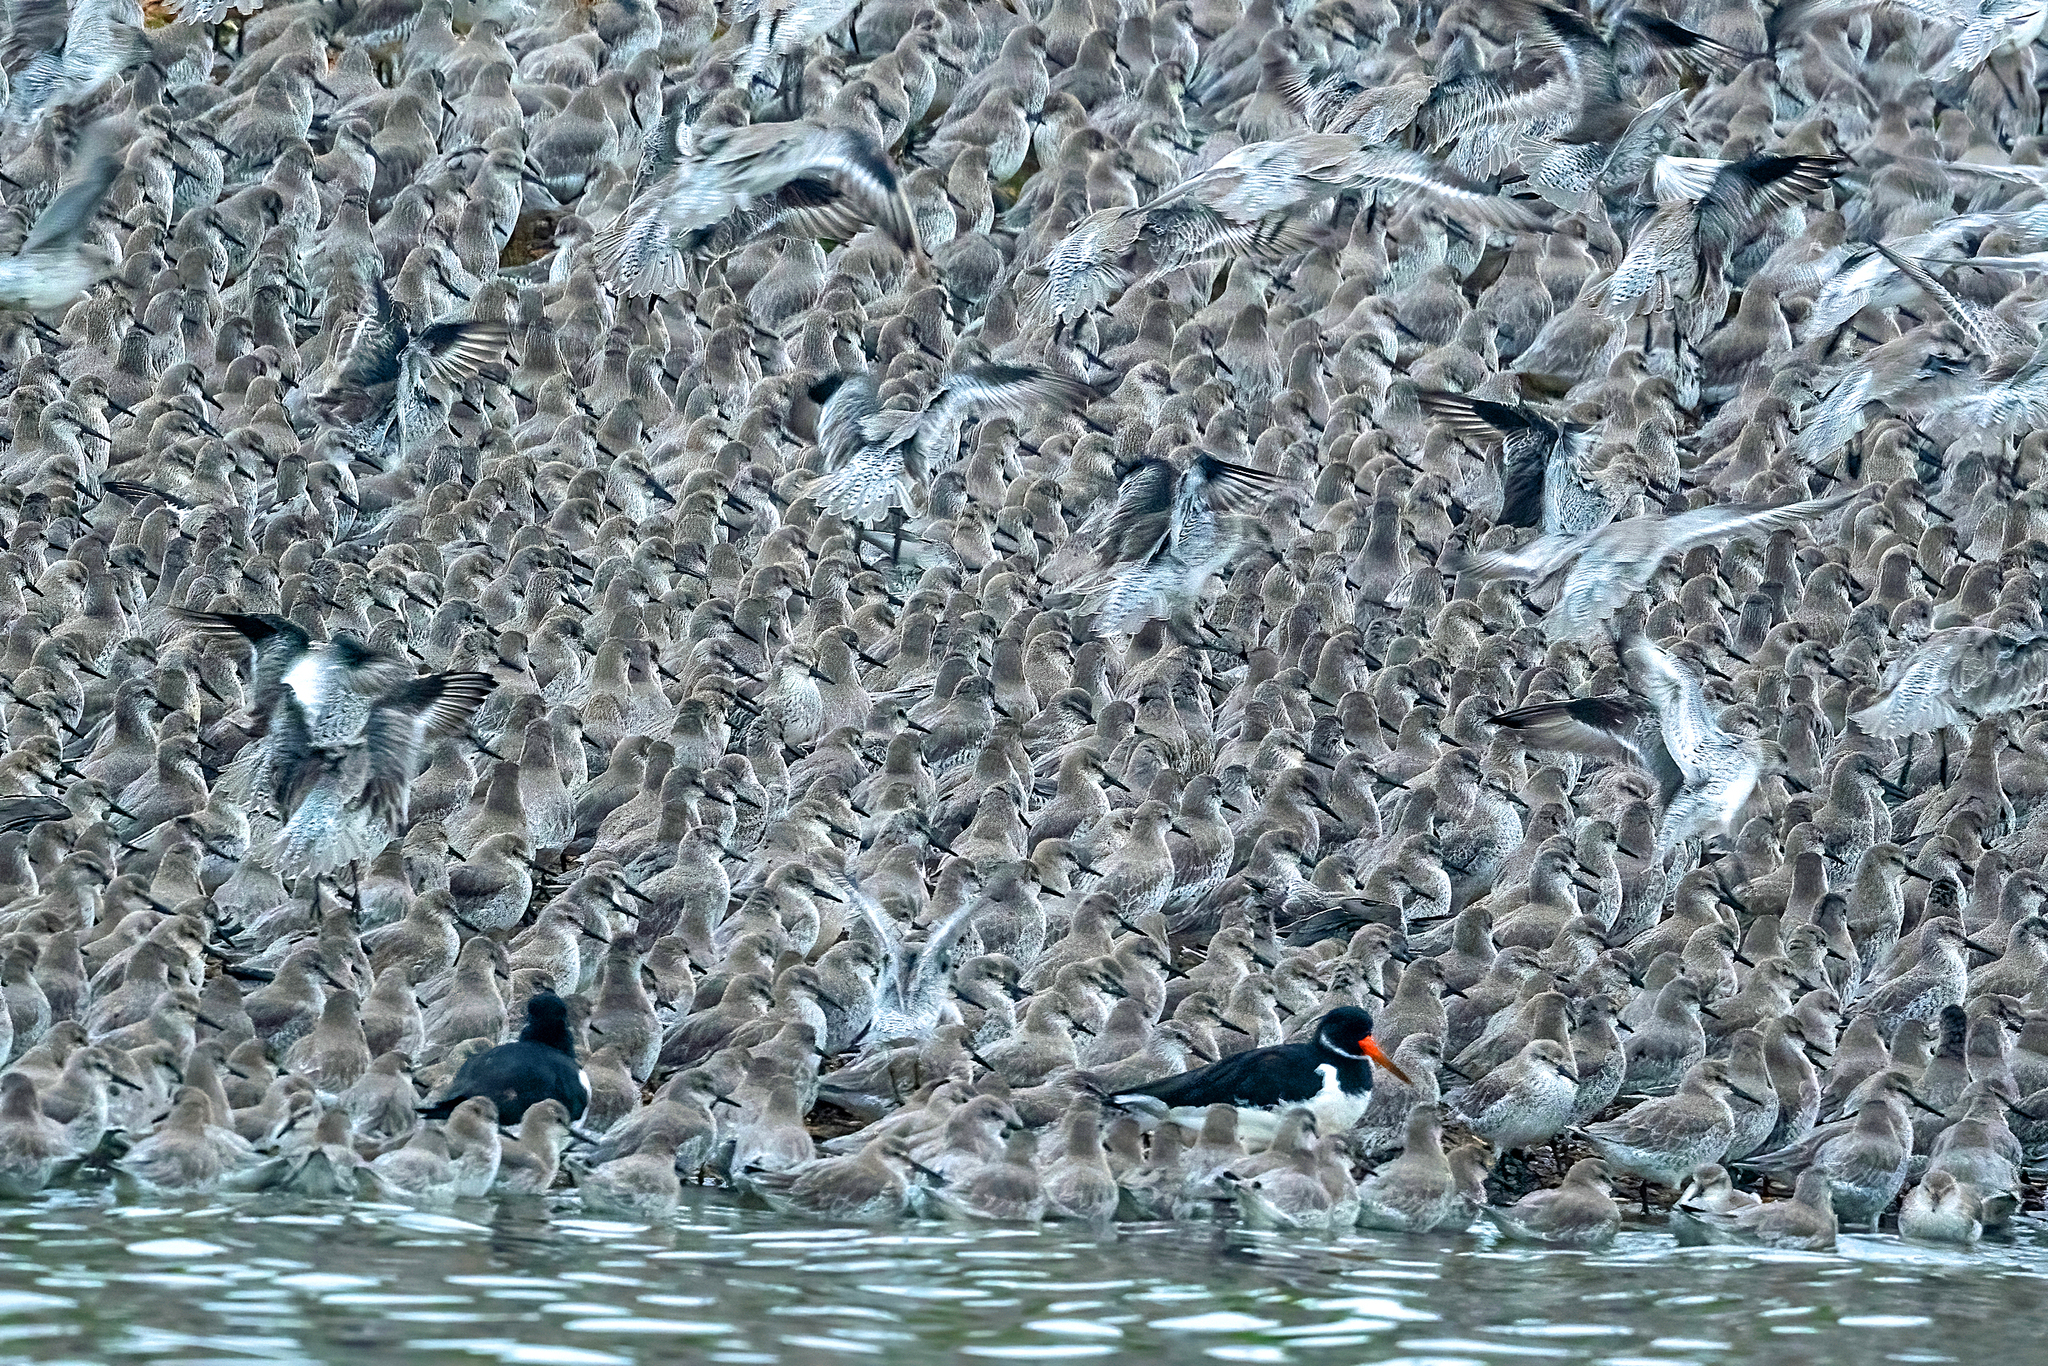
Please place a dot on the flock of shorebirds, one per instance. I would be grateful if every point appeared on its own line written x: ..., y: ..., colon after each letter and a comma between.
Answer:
x: 990, y: 610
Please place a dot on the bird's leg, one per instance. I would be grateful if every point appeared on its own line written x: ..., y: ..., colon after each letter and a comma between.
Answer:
x: 355, y: 895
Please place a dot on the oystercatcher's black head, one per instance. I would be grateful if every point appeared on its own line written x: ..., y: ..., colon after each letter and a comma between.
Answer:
x: 547, y: 1022
x: 1347, y: 1032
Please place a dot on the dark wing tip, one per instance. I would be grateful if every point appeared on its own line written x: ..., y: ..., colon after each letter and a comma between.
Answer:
x: 255, y: 628
x: 1809, y: 172
x: 1474, y: 416
x: 1614, y: 714
x: 1216, y: 467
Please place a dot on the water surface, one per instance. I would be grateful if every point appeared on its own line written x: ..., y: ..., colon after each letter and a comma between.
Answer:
x: 264, y: 1279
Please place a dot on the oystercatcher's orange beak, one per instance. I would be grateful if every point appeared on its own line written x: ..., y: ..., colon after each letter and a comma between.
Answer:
x: 1372, y: 1050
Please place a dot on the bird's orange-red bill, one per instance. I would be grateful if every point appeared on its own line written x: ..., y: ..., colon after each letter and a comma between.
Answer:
x: 1372, y: 1050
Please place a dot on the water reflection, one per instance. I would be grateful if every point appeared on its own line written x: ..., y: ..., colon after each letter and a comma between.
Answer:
x: 527, y: 1281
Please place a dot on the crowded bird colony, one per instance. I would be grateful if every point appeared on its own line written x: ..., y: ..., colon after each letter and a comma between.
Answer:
x: 989, y: 611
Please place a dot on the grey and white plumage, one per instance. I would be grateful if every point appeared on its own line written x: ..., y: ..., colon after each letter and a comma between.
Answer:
x: 1982, y: 28
x: 56, y: 262
x: 878, y: 449
x: 1957, y: 677
x: 1664, y: 1139
x: 1804, y: 1223
x: 1704, y: 775
x: 1248, y: 203
x: 342, y: 803
x: 915, y: 979
x: 1170, y: 531
x: 1603, y: 568
x: 1579, y: 1213
x: 59, y: 54
x: 393, y: 371
x: 807, y: 178
x: 1546, y: 479
x: 363, y: 389
x: 1704, y: 209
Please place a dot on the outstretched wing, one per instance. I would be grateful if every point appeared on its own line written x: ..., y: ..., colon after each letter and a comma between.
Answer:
x: 65, y: 220
x: 934, y: 958
x: 848, y: 401
x: 764, y: 157
x: 454, y: 352
x: 888, y: 935
x: 1688, y: 724
x: 1719, y: 522
x: 1921, y: 689
x: 278, y: 644
x: 662, y: 147
x: 1527, y: 442
x: 1991, y: 334
x: 1751, y: 190
x: 2018, y: 678
x: 1616, y: 727
x: 295, y: 766
x: 402, y: 719
x: 1012, y: 390
x: 36, y: 27
x: 1392, y: 169
x: 1226, y: 486
x: 1143, y: 513
x: 1538, y: 559
x: 25, y: 813
x: 1640, y: 35
x: 373, y: 357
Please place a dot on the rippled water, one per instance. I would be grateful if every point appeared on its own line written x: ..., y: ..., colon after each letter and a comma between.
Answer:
x: 258, y: 1279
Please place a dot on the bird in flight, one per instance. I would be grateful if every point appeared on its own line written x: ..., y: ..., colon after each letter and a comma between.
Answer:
x: 1604, y: 568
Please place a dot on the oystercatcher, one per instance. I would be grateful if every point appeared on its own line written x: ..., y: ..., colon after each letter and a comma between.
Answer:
x: 540, y: 1065
x: 1330, y: 1073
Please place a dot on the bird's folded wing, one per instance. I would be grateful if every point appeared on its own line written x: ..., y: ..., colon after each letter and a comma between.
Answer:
x: 22, y: 813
